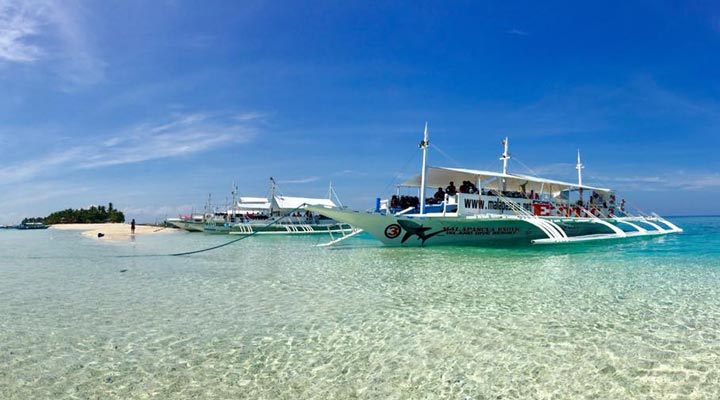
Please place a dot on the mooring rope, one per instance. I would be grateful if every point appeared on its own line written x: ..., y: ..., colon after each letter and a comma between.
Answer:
x: 187, y: 253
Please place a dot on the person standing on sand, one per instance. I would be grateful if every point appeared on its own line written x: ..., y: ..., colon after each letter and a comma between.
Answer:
x: 132, y: 227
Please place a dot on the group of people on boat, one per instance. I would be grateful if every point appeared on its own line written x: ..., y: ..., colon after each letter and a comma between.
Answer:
x: 451, y: 190
x: 403, y: 202
x: 595, y: 201
x: 469, y: 188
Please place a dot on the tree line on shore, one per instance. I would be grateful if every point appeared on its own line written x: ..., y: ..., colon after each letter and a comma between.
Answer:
x: 93, y: 215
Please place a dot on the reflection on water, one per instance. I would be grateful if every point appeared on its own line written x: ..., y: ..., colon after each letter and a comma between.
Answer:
x: 278, y: 318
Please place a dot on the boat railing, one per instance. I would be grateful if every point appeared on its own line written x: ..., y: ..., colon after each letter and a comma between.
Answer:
x: 514, y: 207
x: 405, y: 211
x: 553, y: 231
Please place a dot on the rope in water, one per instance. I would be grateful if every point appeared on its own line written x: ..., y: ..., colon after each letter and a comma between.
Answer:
x: 187, y: 253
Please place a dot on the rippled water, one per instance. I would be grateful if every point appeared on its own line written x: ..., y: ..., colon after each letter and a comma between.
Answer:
x: 277, y: 318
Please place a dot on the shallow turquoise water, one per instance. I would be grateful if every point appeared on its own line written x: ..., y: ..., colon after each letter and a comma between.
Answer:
x: 277, y: 318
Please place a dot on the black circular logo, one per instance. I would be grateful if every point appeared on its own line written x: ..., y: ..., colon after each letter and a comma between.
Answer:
x: 393, y: 231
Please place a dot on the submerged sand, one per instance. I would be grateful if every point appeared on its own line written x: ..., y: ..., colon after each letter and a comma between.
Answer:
x: 112, y: 231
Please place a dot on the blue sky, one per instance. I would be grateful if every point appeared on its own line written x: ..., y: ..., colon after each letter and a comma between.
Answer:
x: 153, y: 105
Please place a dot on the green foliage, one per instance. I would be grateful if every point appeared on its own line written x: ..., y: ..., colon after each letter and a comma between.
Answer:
x: 93, y: 215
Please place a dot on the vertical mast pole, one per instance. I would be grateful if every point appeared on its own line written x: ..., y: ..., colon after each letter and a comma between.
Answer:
x: 579, y: 168
x: 423, y: 145
x: 234, y: 203
x: 272, y: 195
x: 479, y: 188
x: 333, y: 194
x: 505, y: 157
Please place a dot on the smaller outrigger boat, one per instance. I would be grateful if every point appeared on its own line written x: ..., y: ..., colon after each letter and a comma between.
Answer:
x: 31, y: 225
x: 497, y: 208
x: 189, y: 222
x: 276, y: 214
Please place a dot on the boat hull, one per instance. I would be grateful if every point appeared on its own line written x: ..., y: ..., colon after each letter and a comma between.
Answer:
x: 31, y: 227
x: 279, y: 229
x: 190, y: 226
x: 488, y: 230
x: 263, y: 228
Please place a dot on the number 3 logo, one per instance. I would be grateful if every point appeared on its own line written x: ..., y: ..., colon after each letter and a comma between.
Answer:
x: 392, y: 231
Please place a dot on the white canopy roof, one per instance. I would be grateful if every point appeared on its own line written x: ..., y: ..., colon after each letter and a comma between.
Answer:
x: 253, y: 204
x: 253, y: 200
x: 441, y: 177
x: 286, y: 202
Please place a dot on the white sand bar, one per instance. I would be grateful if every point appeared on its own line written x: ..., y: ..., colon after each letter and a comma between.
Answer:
x: 112, y: 231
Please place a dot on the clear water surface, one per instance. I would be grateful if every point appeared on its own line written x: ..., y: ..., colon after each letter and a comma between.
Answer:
x: 277, y: 318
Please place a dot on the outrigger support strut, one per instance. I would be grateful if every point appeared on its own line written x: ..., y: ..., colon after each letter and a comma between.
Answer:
x: 340, y: 239
x: 654, y: 225
x: 619, y: 232
x: 636, y: 226
x: 553, y: 231
x: 672, y: 226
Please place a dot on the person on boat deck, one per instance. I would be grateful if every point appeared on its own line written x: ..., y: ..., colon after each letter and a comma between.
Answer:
x: 451, y: 190
x: 439, y: 196
x: 471, y: 187
x: 464, y: 187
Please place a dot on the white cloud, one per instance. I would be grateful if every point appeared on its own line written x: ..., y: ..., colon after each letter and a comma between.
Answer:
x: 187, y: 134
x: 79, y: 63
x: 29, y: 169
x: 703, y: 181
x: 518, y: 32
x: 250, y: 116
x: 560, y: 170
x: 301, y: 180
x: 660, y: 181
x: 38, y: 192
x: 349, y: 172
x: 184, y: 135
x: 18, y: 26
x: 54, y: 32
x: 637, y: 179
x: 680, y: 180
x: 156, y: 213
x: 32, y: 199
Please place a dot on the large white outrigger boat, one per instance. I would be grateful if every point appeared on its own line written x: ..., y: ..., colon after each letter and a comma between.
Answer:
x: 498, y: 208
